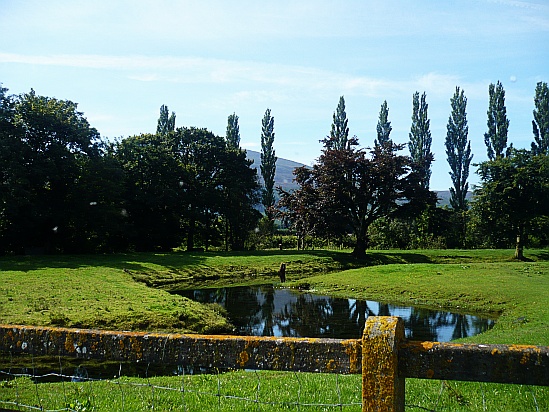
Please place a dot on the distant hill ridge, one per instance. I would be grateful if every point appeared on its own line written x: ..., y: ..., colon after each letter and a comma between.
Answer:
x: 284, y: 176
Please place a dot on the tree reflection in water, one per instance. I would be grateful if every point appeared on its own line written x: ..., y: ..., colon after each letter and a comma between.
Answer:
x: 266, y: 311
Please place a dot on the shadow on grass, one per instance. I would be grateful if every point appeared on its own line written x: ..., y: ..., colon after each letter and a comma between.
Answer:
x: 175, y: 260
x: 128, y: 261
x: 541, y: 255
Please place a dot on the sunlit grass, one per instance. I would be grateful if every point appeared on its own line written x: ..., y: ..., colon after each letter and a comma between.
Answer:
x: 263, y: 391
x: 111, y: 292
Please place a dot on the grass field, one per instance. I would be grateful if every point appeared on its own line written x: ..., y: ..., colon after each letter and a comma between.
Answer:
x: 114, y: 292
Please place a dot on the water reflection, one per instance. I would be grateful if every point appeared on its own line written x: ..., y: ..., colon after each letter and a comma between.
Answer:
x: 266, y: 311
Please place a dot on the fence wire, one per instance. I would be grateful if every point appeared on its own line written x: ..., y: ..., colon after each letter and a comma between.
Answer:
x: 62, y: 384
x: 73, y: 388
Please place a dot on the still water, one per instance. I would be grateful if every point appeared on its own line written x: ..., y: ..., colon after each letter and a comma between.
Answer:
x: 267, y: 311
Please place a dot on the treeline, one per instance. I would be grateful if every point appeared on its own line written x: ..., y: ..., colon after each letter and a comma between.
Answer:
x: 380, y: 197
x: 64, y: 189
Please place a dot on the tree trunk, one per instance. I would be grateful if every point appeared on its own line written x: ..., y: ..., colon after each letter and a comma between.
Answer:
x: 190, y: 234
x: 519, y: 249
x: 360, y: 247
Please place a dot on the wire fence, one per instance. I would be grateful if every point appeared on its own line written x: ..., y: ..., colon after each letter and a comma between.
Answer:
x: 72, y: 387
x: 54, y: 369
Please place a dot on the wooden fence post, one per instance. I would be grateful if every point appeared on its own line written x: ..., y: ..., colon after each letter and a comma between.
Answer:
x: 382, y: 386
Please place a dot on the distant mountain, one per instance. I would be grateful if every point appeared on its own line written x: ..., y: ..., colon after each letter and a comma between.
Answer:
x: 284, y: 176
x: 284, y: 170
x: 444, y: 197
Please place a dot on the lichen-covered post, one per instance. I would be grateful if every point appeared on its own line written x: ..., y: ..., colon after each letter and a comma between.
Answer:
x: 382, y: 387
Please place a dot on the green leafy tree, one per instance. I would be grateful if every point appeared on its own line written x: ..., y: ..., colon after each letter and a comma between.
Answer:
x: 233, y: 132
x: 420, y: 141
x: 540, y: 124
x: 498, y: 124
x: 383, y: 126
x: 339, y: 135
x: 514, y: 190
x: 152, y: 195
x: 458, y: 150
x: 101, y: 224
x: 42, y: 156
x: 241, y: 195
x: 202, y: 156
x: 6, y: 110
x: 268, y: 161
x: 166, y: 121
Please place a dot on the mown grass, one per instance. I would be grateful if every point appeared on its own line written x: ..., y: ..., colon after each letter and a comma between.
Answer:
x: 482, y: 282
x: 261, y: 391
x: 112, y: 292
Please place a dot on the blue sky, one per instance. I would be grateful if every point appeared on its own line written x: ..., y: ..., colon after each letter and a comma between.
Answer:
x: 121, y: 60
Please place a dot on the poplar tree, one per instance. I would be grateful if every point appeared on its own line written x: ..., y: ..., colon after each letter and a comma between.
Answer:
x: 383, y: 126
x: 339, y: 135
x: 166, y: 122
x: 540, y: 124
x: 233, y: 132
x: 420, y: 140
x: 458, y: 150
x: 498, y: 124
x: 268, y: 161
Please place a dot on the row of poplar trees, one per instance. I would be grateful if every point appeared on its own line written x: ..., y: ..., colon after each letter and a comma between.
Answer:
x: 64, y: 189
x: 379, y: 197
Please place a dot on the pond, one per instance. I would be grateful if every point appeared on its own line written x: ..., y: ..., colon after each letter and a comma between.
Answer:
x: 269, y: 311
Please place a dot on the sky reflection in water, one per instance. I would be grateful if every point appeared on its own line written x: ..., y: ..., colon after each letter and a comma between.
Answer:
x: 266, y: 311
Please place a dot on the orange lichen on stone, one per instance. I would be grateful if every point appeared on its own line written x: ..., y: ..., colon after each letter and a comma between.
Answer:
x: 332, y: 365
x: 136, y: 347
x: 243, y: 357
x: 430, y: 373
x: 352, y: 348
x: 495, y: 351
x: 69, y: 344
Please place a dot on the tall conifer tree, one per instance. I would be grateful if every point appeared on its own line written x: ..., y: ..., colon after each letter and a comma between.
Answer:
x: 498, y: 124
x: 458, y: 150
x: 383, y: 126
x: 166, y: 122
x: 339, y: 135
x: 268, y: 161
x: 540, y: 124
x: 420, y: 140
x: 233, y: 132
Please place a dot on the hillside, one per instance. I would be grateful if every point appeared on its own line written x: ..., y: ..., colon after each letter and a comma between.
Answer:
x: 284, y: 170
x: 284, y: 176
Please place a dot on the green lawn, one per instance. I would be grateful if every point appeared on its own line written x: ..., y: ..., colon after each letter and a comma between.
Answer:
x: 114, y: 292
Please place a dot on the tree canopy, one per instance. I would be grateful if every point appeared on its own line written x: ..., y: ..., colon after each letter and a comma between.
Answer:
x: 420, y: 140
x: 346, y: 191
x: 339, y: 134
x: 458, y: 150
x: 64, y: 189
x: 268, y: 161
x: 514, y: 190
x: 540, y: 124
x: 498, y: 124
x: 383, y: 126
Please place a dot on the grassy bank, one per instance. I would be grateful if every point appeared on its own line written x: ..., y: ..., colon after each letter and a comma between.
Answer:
x: 483, y: 282
x: 114, y: 292
x: 129, y: 291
